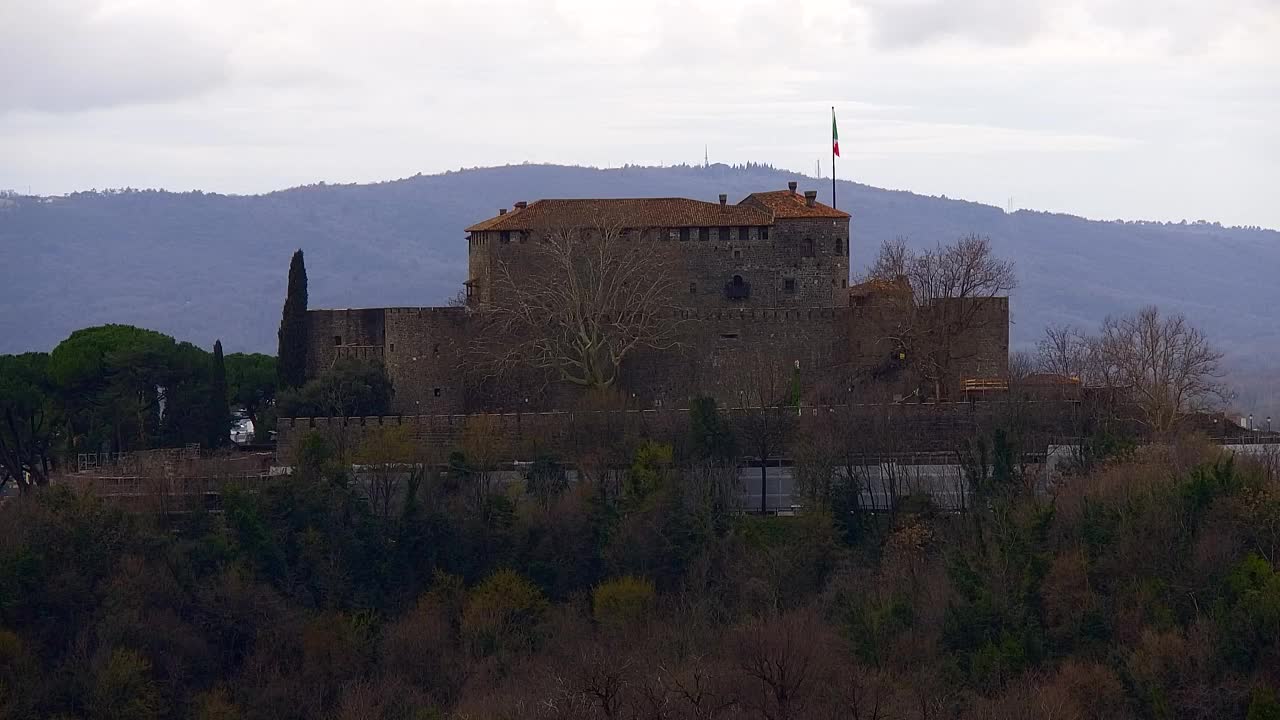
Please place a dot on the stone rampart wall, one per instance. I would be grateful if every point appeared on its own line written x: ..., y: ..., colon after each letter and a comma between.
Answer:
x: 906, y: 427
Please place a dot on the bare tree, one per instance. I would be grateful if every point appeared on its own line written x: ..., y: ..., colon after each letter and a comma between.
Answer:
x: 767, y: 393
x: 392, y: 468
x: 1067, y: 350
x: 786, y: 663
x: 1167, y: 365
x: 952, y: 289
x: 575, y: 301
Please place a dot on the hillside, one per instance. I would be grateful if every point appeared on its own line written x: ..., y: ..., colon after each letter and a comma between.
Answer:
x: 205, y: 266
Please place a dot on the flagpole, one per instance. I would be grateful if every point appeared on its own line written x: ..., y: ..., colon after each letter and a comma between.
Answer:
x: 833, y: 160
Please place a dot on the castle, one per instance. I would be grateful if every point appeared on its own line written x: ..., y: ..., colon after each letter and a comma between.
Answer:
x: 767, y: 275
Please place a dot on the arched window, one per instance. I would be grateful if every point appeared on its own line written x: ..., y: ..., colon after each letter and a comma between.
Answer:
x: 808, y: 247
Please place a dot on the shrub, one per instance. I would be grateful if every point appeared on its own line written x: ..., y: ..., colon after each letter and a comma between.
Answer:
x: 622, y: 601
x: 503, y: 615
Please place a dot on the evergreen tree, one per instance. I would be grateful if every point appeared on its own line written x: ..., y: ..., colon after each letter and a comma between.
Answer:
x: 219, y: 411
x: 292, y: 353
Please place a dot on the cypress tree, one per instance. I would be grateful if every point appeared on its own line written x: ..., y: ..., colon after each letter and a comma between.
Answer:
x: 291, y: 363
x: 219, y: 412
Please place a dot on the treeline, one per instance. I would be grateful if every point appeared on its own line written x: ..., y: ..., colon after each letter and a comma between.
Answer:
x: 118, y: 388
x: 1145, y: 588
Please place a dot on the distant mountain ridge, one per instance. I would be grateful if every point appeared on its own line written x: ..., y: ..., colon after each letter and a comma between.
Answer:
x: 204, y: 266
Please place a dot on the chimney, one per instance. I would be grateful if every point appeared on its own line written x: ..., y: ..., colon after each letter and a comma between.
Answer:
x: 792, y: 187
x: 723, y: 199
x: 522, y: 205
x: 810, y: 197
x: 502, y: 211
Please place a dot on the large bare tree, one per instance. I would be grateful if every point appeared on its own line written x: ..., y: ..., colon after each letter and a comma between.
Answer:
x: 766, y: 386
x: 1167, y: 366
x: 1068, y: 351
x: 952, y: 287
x: 576, y: 300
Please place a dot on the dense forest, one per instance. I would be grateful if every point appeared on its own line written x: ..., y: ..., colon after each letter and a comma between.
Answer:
x: 1142, y: 586
x: 187, y: 263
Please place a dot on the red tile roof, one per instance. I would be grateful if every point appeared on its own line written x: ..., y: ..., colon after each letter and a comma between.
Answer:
x: 626, y: 212
x: 786, y: 204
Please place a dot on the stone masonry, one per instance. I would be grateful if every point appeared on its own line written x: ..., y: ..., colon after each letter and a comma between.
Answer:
x: 769, y: 274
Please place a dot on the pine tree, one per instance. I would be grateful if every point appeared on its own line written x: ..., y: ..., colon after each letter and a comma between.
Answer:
x: 219, y: 412
x: 291, y: 364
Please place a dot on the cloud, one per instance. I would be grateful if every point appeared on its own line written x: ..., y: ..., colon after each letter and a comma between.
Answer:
x: 1165, y: 26
x: 973, y: 98
x: 908, y: 23
x: 75, y: 55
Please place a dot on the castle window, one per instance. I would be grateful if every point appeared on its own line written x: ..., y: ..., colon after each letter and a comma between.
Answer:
x: 392, y: 348
x: 693, y: 288
x: 684, y: 234
x: 744, y: 234
x: 704, y: 233
x: 504, y: 236
x: 839, y: 246
x: 737, y: 289
x: 764, y: 232
x: 729, y: 336
x: 844, y: 283
x: 337, y: 339
x: 435, y: 391
x: 435, y: 350
x: 737, y: 254
x: 723, y: 234
x: 808, y: 247
x: 789, y: 286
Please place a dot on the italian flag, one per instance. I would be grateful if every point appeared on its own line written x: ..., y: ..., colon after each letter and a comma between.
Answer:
x: 835, y: 137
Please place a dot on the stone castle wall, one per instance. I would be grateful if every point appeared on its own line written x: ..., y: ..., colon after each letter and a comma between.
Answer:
x: 776, y: 293
x: 792, y: 263
x: 838, y: 354
x: 879, y: 428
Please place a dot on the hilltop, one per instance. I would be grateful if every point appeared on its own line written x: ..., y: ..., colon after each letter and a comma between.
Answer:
x: 202, y: 266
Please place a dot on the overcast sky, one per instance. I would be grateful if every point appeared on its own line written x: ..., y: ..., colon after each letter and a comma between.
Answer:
x: 1103, y: 108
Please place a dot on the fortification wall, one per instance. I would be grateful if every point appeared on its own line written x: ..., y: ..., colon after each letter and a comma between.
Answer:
x: 870, y: 428
x: 814, y: 253
x: 512, y: 436
x: 982, y: 350
x: 423, y: 357
x: 720, y: 353
x: 327, y: 330
x: 793, y: 263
